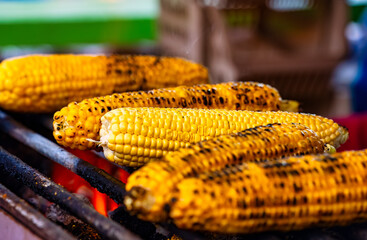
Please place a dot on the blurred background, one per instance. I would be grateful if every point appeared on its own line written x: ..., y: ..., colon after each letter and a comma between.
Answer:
x: 313, y: 51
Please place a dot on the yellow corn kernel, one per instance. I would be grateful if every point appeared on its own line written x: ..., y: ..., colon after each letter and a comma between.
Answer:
x: 232, y: 96
x: 45, y: 83
x: 289, y: 194
x: 216, y: 122
x: 147, y: 197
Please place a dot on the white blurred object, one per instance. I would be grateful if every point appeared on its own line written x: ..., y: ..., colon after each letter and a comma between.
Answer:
x: 354, y: 32
x: 81, y: 9
x: 343, y: 76
x: 14, y: 51
x: 356, y: 2
x: 289, y: 5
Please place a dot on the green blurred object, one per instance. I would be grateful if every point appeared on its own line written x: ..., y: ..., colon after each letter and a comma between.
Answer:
x: 59, y: 23
x: 356, y: 8
x: 356, y: 12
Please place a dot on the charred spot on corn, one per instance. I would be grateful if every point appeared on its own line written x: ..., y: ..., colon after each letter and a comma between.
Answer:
x: 205, y: 96
x: 49, y: 82
x: 294, y: 201
x: 222, y: 160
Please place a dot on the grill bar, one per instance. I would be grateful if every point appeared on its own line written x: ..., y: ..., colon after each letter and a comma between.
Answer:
x: 96, y: 177
x: 12, y: 166
x: 145, y: 230
x: 30, y: 217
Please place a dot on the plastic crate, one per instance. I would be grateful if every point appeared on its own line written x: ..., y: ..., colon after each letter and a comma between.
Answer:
x: 292, y: 45
x: 181, y: 29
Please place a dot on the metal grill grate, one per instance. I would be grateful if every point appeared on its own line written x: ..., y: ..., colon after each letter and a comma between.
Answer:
x: 12, y: 166
x: 120, y: 225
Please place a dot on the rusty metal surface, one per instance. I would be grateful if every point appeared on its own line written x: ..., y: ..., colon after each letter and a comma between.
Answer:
x: 30, y: 217
x: 74, y: 225
x: 12, y: 166
x: 95, y: 176
x: 145, y: 230
x: 102, y: 180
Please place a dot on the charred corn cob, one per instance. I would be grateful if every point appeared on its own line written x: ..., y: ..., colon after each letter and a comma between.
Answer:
x: 78, y: 121
x: 135, y: 136
x: 299, y: 192
x: 147, y: 196
x: 45, y: 83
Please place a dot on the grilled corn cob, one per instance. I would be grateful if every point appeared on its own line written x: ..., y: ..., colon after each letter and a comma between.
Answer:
x: 45, y: 83
x: 147, y: 196
x: 290, y: 194
x: 135, y: 136
x: 78, y: 121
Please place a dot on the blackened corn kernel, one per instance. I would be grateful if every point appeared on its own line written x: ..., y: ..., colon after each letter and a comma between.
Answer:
x: 206, y: 159
x: 240, y: 96
x: 288, y: 194
x: 45, y: 83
